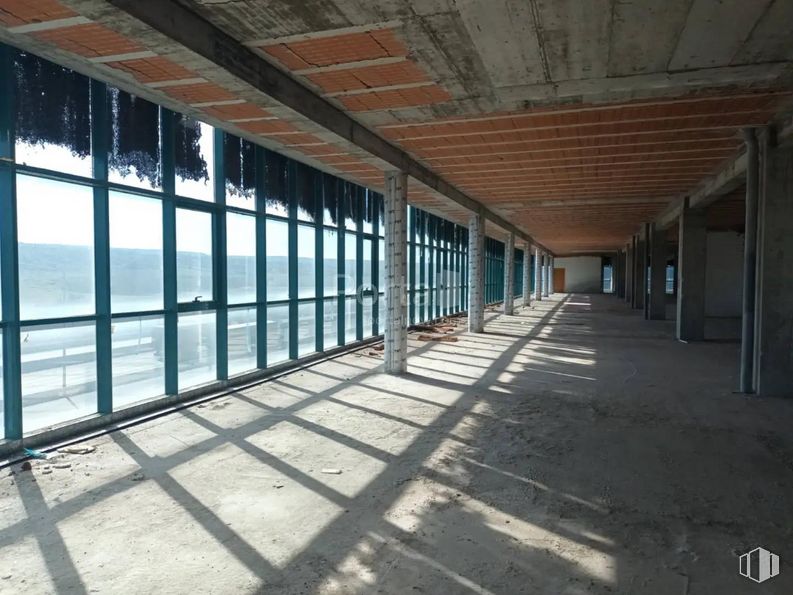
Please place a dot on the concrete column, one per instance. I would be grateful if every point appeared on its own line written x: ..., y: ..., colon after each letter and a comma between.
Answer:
x: 657, y: 305
x: 629, y: 270
x: 692, y: 251
x: 640, y: 280
x: 509, y: 275
x: 646, y: 270
x: 396, y: 218
x: 620, y: 277
x: 774, y: 297
x: 476, y: 274
x: 537, y: 274
x: 550, y: 277
x: 747, y: 384
x: 545, y: 268
x: 527, y: 275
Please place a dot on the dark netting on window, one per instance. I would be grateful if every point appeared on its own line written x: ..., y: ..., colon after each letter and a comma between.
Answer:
x: 305, y: 191
x: 380, y: 211
x: 350, y: 196
x: 239, y: 160
x: 275, y: 167
x: 330, y: 196
x: 53, y: 105
x: 135, y: 140
x: 370, y: 207
x: 190, y: 165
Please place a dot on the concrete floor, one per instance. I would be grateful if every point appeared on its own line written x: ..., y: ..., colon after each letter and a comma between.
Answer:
x: 572, y: 448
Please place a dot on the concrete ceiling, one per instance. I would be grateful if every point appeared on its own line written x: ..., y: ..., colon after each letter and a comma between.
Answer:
x: 575, y: 120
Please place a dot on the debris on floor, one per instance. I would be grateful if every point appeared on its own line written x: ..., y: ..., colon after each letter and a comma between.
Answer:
x: 77, y: 450
x: 331, y: 471
x: 444, y: 338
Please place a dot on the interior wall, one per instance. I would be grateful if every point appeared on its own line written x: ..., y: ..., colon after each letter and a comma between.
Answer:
x: 724, y: 274
x: 582, y: 273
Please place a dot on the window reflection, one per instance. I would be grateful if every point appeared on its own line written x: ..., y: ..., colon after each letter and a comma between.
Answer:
x: 239, y: 163
x: 241, y: 258
x: 194, y: 147
x: 194, y: 256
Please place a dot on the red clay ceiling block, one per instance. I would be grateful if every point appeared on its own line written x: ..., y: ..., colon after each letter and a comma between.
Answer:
x: 266, y: 127
x: 380, y: 75
x: 338, y: 49
x: 154, y: 70
x: 14, y: 13
x: 236, y: 111
x: 199, y: 93
x: 297, y: 139
x: 89, y: 40
x: 379, y: 100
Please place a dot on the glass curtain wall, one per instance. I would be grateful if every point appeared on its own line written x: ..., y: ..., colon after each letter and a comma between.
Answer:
x: 144, y: 253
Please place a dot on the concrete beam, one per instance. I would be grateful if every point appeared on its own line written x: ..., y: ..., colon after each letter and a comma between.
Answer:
x: 198, y: 35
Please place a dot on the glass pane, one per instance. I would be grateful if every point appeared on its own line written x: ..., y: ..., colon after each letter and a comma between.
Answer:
x: 369, y: 211
x: 56, y: 248
x: 381, y: 215
x: 368, y: 316
x: 193, y: 256
x: 239, y: 164
x: 241, y: 259
x: 349, y: 320
x: 197, y: 351
x: 306, y: 262
x: 381, y: 267
x: 330, y: 325
x: 135, y: 154
x: 277, y: 334
x: 331, y: 263
x: 350, y: 206
x: 367, y: 264
x: 53, y: 119
x: 305, y: 192
x: 2, y: 401
x: 58, y: 374
x: 381, y: 313
x: 277, y: 261
x: 275, y: 200
x: 330, y: 197
x: 138, y: 360
x: 306, y: 328
x: 350, y: 260
x: 242, y: 340
x: 195, y: 158
x: 135, y: 253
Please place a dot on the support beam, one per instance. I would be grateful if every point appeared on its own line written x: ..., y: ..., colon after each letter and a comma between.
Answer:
x: 749, y: 261
x: 629, y: 270
x: 692, y: 251
x: 476, y: 274
x: 774, y: 317
x: 537, y: 273
x: 657, y: 302
x: 527, y: 275
x: 509, y: 275
x: 550, y: 277
x: 646, y: 271
x: 620, y: 287
x: 178, y: 22
x: 640, y: 278
x: 396, y: 217
x: 546, y: 267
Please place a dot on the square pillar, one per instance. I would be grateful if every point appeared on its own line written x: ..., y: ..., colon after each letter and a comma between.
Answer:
x: 545, y: 268
x: 550, y: 277
x: 640, y: 284
x: 509, y: 275
x: 537, y: 274
x: 692, y: 251
x: 527, y: 275
x: 774, y: 297
x: 396, y: 217
x: 476, y: 274
x: 629, y: 270
x: 657, y: 305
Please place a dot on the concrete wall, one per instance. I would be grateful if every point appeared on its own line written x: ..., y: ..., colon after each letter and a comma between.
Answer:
x: 724, y: 274
x: 582, y: 273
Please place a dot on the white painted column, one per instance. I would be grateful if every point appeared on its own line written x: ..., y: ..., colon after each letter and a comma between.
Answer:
x: 537, y: 274
x: 476, y: 274
x: 396, y: 335
x: 509, y: 275
x: 527, y: 275
x: 546, y: 274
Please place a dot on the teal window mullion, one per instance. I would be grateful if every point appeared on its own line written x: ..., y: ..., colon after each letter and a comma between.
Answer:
x: 100, y: 136
x: 319, y: 262
x: 171, y: 307
x: 220, y: 246
x: 375, y: 264
x: 412, y: 257
x: 9, y: 256
x: 291, y: 190
x: 361, y: 204
x: 261, y: 262
x: 340, y: 188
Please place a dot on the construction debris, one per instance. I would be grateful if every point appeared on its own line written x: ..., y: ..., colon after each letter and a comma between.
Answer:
x: 77, y: 450
x: 331, y: 471
x: 444, y: 338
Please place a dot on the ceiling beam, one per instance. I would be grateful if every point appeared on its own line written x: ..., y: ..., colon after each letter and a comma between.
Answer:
x: 198, y: 35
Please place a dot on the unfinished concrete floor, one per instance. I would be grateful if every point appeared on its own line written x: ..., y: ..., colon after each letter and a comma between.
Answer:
x: 572, y: 448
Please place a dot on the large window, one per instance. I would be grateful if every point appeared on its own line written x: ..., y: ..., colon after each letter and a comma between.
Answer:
x: 130, y: 288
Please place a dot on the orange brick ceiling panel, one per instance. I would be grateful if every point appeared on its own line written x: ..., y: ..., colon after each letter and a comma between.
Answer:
x: 337, y: 49
x: 267, y: 127
x: 14, y: 13
x: 89, y: 40
x: 396, y: 98
x: 367, y: 77
x: 199, y: 93
x: 236, y: 111
x: 154, y: 70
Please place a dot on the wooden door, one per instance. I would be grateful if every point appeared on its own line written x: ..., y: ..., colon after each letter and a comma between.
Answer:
x: 558, y: 280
